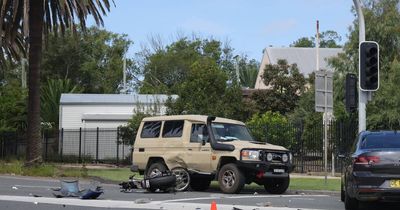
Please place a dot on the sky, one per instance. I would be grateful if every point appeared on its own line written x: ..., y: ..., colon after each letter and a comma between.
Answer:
x: 248, y: 25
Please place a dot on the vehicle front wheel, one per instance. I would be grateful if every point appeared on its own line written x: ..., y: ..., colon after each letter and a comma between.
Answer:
x: 230, y: 179
x: 349, y: 202
x: 277, y: 185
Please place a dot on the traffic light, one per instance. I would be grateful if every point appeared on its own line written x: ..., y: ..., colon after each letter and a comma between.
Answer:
x: 351, y: 93
x: 369, y: 66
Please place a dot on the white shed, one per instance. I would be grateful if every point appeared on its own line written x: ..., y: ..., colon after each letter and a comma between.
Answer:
x: 88, y: 122
x: 106, y: 110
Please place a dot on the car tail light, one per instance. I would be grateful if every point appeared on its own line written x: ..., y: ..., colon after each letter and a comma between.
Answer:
x: 366, y: 160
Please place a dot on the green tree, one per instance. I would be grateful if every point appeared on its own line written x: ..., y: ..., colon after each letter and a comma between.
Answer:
x: 42, y: 17
x: 12, y: 108
x: 50, y: 99
x: 328, y: 39
x: 271, y: 127
x: 92, y: 59
x: 248, y: 71
x: 167, y: 67
x: 285, y: 86
x: 205, y: 91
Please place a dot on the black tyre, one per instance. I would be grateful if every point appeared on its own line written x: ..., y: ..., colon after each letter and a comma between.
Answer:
x: 153, y: 170
x: 349, y: 202
x: 231, y: 179
x: 342, y: 193
x: 277, y: 185
x: 198, y: 183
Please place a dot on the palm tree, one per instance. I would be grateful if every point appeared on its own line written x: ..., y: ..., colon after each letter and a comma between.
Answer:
x: 32, y: 19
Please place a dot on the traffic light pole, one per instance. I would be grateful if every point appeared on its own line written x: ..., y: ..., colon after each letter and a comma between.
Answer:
x: 362, y: 95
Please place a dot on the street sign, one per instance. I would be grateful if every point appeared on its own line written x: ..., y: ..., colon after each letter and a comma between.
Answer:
x: 324, y: 91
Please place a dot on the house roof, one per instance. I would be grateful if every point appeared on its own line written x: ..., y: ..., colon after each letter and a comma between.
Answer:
x: 305, y: 58
x: 69, y: 98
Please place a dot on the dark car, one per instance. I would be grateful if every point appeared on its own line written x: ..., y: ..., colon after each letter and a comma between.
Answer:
x: 372, y: 169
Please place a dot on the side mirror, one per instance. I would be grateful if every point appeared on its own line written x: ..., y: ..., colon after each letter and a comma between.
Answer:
x: 203, y: 142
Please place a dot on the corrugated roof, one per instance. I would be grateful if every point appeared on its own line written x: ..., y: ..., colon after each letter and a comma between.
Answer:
x: 305, y: 58
x: 69, y: 98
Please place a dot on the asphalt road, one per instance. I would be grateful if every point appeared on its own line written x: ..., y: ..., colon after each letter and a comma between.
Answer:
x: 18, y: 193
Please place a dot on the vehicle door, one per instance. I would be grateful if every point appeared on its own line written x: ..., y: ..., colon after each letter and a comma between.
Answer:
x: 198, y: 148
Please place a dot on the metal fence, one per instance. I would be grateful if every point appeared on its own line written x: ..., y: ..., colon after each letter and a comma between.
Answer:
x: 114, y: 146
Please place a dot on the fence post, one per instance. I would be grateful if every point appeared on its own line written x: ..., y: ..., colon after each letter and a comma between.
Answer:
x: 117, y: 145
x: 97, y: 145
x: 62, y: 144
x: 46, y: 141
x: 2, y: 144
x: 80, y: 145
x: 302, y: 147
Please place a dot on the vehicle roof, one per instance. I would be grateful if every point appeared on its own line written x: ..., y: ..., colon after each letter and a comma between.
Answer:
x: 198, y: 118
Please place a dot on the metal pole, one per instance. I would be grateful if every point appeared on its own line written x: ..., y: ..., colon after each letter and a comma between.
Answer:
x: 362, y: 95
x: 118, y: 146
x: 97, y: 145
x: 80, y: 145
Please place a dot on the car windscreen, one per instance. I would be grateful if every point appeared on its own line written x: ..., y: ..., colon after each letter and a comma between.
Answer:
x: 230, y: 132
x: 380, y: 141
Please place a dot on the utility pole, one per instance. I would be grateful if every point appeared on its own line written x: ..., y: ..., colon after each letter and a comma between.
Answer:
x: 362, y: 95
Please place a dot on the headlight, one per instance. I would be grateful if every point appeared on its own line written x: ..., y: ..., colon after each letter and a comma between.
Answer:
x: 269, y: 156
x: 250, y: 155
x: 285, y: 158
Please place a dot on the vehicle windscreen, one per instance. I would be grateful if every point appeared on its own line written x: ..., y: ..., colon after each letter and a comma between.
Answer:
x: 380, y: 141
x: 230, y: 132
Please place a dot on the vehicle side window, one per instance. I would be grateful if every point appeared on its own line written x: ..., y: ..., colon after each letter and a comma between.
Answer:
x: 199, y: 133
x: 151, y: 129
x: 173, y: 128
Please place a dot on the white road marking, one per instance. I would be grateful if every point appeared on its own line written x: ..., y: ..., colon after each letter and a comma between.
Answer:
x: 237, y: 197
x: 34, y: 186
x: 129, y: 204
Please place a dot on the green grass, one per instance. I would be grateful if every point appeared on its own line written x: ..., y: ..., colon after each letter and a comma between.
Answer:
x: 117, y: 174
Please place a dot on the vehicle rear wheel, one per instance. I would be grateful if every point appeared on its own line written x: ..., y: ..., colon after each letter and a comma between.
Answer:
x: 349, y: 202
x: 199, y: 183
x: 230, y: 179
x: 182, y: 178
x: 277, y: 185
x: 154, y: 170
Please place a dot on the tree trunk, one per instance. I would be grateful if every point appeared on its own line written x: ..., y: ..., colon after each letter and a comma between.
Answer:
x: 34, y: 146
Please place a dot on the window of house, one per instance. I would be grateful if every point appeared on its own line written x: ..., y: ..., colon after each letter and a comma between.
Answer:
x: 173, y: 128
x: 151, y: 129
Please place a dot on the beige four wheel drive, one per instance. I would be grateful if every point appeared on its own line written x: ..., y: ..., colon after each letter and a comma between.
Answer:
x: 199, y: 149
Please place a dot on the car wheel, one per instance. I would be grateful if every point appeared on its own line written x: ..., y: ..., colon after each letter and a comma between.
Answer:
x: 277, y: 185
x: 230, y: 179
x: 199, y: 183
x: 349, y: 202
x: 154, y: 170
x: 182, y: 179
x: 342, y: 193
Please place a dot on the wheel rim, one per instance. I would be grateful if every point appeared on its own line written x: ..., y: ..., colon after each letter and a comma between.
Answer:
x: 228, y: 178
x: 155, y: 172
x: 182, y: 178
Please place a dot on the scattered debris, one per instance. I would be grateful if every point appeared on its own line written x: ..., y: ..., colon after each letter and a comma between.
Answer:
x: 163, y: 181
x: 71, y: 189
x: 14, y: 188
x: 264, y: 204
x: 142, y: 200
x: 234, y: 208
x: 255, y: 193
x: 36, y: 203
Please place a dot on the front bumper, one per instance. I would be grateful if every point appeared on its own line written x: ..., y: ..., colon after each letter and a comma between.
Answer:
x: 367, y: 186
x: 268, y: 170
